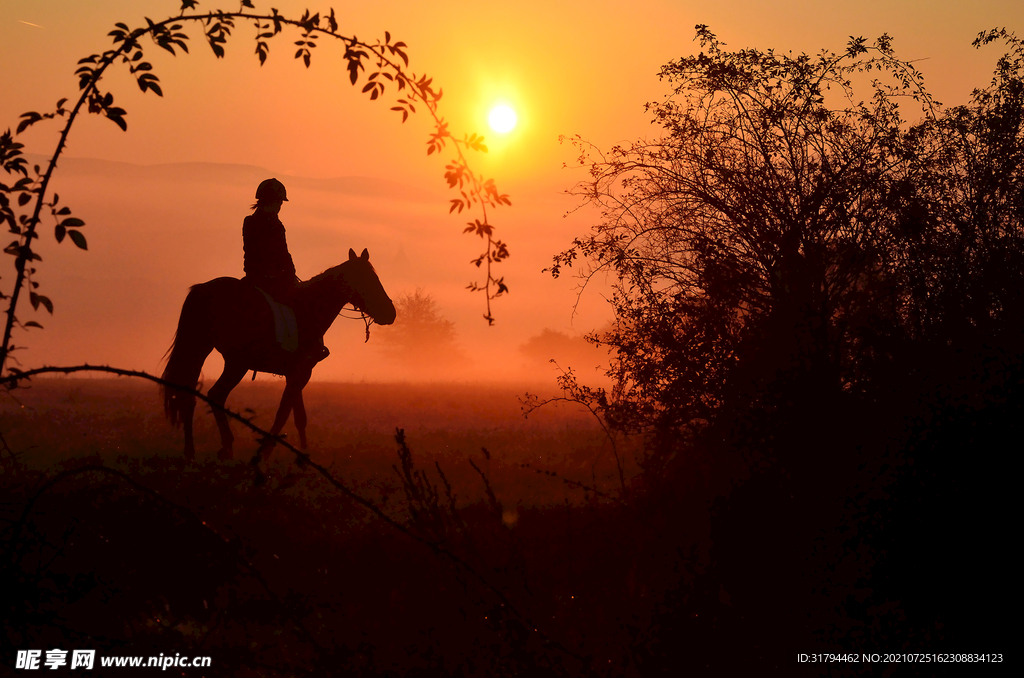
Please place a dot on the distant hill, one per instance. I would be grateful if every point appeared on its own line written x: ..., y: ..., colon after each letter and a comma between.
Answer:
x: 230, y: 174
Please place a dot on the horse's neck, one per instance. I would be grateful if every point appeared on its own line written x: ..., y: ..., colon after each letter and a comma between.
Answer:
x: 320, y: 300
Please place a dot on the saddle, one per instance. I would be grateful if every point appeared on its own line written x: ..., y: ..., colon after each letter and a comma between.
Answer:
x: 286, y: 336
x: 286, y: 330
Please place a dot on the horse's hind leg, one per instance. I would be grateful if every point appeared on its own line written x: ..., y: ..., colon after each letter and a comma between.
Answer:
x: 292, y: 398
x: 229, y: 378
x: 300, y: 418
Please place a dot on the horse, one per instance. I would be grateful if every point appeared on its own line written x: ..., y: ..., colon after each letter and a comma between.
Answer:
x: 234, y: 317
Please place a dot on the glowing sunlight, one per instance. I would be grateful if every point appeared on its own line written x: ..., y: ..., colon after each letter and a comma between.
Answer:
x: 502, y: 118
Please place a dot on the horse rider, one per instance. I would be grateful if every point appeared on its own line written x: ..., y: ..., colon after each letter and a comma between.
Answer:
x: 266, y: 260
x: 267, y: 263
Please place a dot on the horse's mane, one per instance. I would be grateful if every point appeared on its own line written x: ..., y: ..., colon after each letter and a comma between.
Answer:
x: 332, y: 274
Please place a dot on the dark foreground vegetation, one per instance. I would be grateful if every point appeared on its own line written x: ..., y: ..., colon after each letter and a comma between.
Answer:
x: 817, y: 359
x: 742, y: 553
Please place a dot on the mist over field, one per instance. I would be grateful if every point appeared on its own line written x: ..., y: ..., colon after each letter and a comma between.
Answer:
x: 155, y: 230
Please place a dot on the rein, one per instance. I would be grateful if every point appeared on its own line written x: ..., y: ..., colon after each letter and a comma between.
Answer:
x: 362, y: 316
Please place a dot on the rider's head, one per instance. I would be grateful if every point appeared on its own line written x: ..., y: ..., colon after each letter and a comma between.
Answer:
x: 270, y: 194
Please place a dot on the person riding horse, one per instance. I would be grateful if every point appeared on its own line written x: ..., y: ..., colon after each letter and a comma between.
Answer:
x: 267, y: 263
x: 266, y: 260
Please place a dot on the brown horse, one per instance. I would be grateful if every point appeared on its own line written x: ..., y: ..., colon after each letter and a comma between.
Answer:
x: 233, y: 317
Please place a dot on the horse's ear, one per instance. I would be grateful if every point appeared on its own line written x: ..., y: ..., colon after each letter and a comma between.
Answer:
x: 351, y: 254
x: 365, y: 256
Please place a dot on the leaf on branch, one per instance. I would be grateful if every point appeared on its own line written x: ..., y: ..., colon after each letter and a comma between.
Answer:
x: 117, y: 115
x: 475, y: 142
x: 188, y: 4
x: 30, y: 118
x: 9, y: 155
x: 78, y: 239
x: 500, y: 251
x: 59, y: 232
x: 397, y: 48
x: 455, y: 175
x: 479, y: 228
x: 36, y: 299
x: 72, y: 222
x: 84, y: 76
x: 32, y: 323
x: 148, y: 81
x: 355, y: 63
x: 23, y: 199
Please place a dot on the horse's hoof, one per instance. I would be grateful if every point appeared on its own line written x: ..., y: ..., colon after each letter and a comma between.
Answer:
x: 225, y: 453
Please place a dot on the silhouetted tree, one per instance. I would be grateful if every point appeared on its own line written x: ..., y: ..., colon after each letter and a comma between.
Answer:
x: 781, y: 215
x: 818, y: 310
x: 421, y: 337
x: 959, y: 243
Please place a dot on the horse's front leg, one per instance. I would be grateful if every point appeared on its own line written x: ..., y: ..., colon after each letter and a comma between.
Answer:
x: 292, y: 399
x: 218, y: 394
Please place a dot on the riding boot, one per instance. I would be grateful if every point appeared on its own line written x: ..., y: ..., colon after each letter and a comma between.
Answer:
x: 315, y: 352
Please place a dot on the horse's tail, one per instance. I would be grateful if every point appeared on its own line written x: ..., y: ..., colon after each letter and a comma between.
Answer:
x: 193, y: 341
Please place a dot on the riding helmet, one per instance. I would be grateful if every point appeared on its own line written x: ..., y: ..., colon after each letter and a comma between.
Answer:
x: 271, y: 190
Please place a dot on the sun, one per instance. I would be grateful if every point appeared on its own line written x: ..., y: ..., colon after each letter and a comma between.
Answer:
x: 502, y: 118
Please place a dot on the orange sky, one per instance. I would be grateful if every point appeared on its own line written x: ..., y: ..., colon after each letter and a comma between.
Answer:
x: 569, y: 68
x: 580, y: 67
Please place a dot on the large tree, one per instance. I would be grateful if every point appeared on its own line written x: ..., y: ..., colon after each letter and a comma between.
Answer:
x: 792, y: 205
x: 818, y: 328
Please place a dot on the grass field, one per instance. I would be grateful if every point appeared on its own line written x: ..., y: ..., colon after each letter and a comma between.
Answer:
x: 435, y: 558
x: 162, y: 555
x: 351, y: 430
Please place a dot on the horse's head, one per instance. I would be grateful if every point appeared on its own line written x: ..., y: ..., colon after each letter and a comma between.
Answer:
x: 365, y: 285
